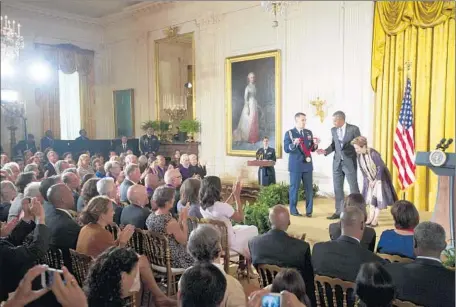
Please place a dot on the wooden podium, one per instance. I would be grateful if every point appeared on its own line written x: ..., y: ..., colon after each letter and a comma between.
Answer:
x: 261, y: 163
x: 445, y: 202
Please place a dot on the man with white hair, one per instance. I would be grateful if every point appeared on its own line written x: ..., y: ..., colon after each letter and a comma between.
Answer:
x: 132, y: 177
x: 32, y: 190
x: 107, y: 187
x: 7, y: 193
x: 131, y: 159
x: 425, y: 281
x: 14, y: 168
x: 173, y: 179
x: 112, y: 169
x: 60, y: 166
x: 135, y: 213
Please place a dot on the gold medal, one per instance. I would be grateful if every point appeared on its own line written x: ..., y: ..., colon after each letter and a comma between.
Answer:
x: 308, y: 159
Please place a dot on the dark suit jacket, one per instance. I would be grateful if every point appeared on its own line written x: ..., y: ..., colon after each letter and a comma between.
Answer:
x: 119, y: 148
x: 45, y: 143
x: 117, y: 213
x: 16, y: 259
x: 50, y: 169
x: 367, y: 241
x: 64, y: 230
x: 81, y: 138
x: 134, y: 215
x: 278, y: 248
x: 341, y: 258
x: 424, y: 282
x: 347, y: 152
x: 4, y: 211
x: 296, y: 159
x: 124, y: 186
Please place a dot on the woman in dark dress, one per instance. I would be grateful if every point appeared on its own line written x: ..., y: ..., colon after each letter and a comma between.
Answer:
x: 378, y: 189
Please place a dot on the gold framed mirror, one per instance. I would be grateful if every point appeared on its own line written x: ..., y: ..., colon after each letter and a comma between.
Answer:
x: 175, y: 77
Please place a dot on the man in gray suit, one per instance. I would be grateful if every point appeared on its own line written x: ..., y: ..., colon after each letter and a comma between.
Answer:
x: 344, y: 163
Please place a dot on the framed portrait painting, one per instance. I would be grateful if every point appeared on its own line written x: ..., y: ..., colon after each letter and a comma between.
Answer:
x: 253, y: 103
x: 124, y: 122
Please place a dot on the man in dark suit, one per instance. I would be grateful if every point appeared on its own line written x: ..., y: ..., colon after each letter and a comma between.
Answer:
x: 343, y: 257
x: 16, y: 259
x: 82, y: 136
x: 47, y: 141
x: 344, y: 163
x: 135, y: 213
x: 266, y: 175
x: 23, y: 145
x: 299, y: 143
x: 425, y: 282
x: 149, y: 143
x: 123, y: 147
x: 132, y: 177
x: 278, y: 248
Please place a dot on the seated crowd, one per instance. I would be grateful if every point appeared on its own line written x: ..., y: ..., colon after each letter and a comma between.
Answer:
x: 51, y: 204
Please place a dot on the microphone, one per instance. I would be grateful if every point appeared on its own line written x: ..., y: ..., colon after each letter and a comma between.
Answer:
x: 440, y: 145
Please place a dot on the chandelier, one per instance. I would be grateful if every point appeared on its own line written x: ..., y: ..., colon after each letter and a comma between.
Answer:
x: 276, y: 8
x: 11, y: 40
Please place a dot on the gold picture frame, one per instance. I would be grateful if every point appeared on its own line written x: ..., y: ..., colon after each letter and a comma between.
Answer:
x: 262, y: 92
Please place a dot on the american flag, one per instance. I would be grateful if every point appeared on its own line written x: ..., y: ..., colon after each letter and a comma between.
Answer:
x: 404, y: 143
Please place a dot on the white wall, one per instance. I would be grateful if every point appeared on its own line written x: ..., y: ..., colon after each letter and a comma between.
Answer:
x: 42, y: 27
x: 325, y: 49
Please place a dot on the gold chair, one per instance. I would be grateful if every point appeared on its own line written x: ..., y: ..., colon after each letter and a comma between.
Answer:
x: 159, y: 255
x: 322, y: 281
x: 80, y: 264
x: 53, y: 258
x: 267, y: 273
x: 114, y: 230
x: 137, y: 241
x: 395, y: 258
x: 398, y: 303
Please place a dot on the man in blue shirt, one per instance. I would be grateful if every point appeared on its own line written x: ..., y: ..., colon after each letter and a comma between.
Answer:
x: 299, y: 143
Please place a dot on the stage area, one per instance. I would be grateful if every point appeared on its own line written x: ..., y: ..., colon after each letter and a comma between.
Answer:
x: 316, y: 228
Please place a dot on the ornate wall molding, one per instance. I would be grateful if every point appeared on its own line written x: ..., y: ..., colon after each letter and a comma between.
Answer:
x: 210, y: 19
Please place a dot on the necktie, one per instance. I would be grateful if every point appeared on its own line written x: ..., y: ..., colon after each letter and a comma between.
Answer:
x: 124, y: 146
x: 301, y: 132
x: 340, y: 134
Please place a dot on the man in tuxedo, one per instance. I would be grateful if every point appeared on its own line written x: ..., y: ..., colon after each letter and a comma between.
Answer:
x: 344, y: 163
x: 132, y: 177
x: 123, y: 147
x: 276, y: 247
x: 425, y: 282
x: 343, y: 257
x: 266, y: 175
x: 149, y: 143
x: 299, y: 143
x: 47, y: 141
x: 82, y: 136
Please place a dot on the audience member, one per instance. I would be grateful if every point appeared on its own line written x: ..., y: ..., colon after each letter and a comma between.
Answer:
x: 22, y: 181
x: 369, y: 235
x: 173, y: 179
x: 98, y: 167
x: 107, y: 187
x: 49, y: 168
x: 14, y: 168
x: 32, y: 167
x: 7, y: 193
x: 176, y: 158
x: 45, y: 186
x: 135, y: 213
x: 184, y: 167
x: 425, y: 282
x: 72, y: 181
x: 132, y: 176
x: 112, y: 169
x: 84, y: 167
x: 399, y: 241
x: 60, y: 166
x: 290, y: 280
x: 197, y: 169
x: 151, y: 183
x: 89, y: 190
x: 204, y: 245
x: 202, y: 285
x: 161, y: 167
x: 161, y: 221
x: 276, y: 247
x: 343, y: 257
x: 131, y: 159
x: 374, y: 286
x: 189, y: 194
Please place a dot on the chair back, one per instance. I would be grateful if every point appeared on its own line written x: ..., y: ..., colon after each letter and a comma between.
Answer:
x: 323, y: 282
x: 267, y: 273
x: 114, y: 230
x: 53, y: 258
x: 395, y: 258
x: 158, y: 251
x: 80, y: 264
x: 398, y: 303
x: 221, y: 226
x: 137, y: 241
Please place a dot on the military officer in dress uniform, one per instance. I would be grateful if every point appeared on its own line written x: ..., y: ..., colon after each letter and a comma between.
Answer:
x: 266, y: 175
x: 149, y: 143
x: 299, y: 143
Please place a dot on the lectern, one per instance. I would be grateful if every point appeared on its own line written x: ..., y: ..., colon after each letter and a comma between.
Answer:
x: 443, y: 165
x: 261, y: 172
x: 261, y: 163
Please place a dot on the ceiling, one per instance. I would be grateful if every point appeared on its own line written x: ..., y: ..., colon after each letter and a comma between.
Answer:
x: 85, y: 8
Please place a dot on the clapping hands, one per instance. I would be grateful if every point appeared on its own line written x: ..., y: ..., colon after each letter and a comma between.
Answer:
x: 126, y: 234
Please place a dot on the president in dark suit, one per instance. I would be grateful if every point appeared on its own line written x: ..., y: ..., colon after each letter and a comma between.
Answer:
x: 343, y: 257
x: 123, y: 147
x: 344, y: 162
x: 82, y: 136
x: 425, y: 282
x: 266, y: 175
x: 276, y: 247
x: 299, y: 143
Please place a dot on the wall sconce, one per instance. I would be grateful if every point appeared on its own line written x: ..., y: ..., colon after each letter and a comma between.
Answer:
x: 320, y: 108
x: 189, y: 87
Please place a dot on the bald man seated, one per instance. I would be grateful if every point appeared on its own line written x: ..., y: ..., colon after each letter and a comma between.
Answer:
x: 64, y: 229
x: 135, y: 213
x: 342, y: 258
x: 278, y: 248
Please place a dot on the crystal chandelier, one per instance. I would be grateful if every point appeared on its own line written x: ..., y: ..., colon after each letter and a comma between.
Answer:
x: 276, y: 8
x: 12, y: 42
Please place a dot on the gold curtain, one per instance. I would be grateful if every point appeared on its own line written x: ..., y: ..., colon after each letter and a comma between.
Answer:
x: 421, y: 33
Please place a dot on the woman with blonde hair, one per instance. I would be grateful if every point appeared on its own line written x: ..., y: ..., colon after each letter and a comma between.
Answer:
x: 84, y: 167
x: 378, y: 188
x: 184, y: 167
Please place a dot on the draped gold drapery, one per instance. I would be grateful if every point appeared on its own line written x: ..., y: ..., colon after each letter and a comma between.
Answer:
x: 68, y: 59
x: 421, y: 33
